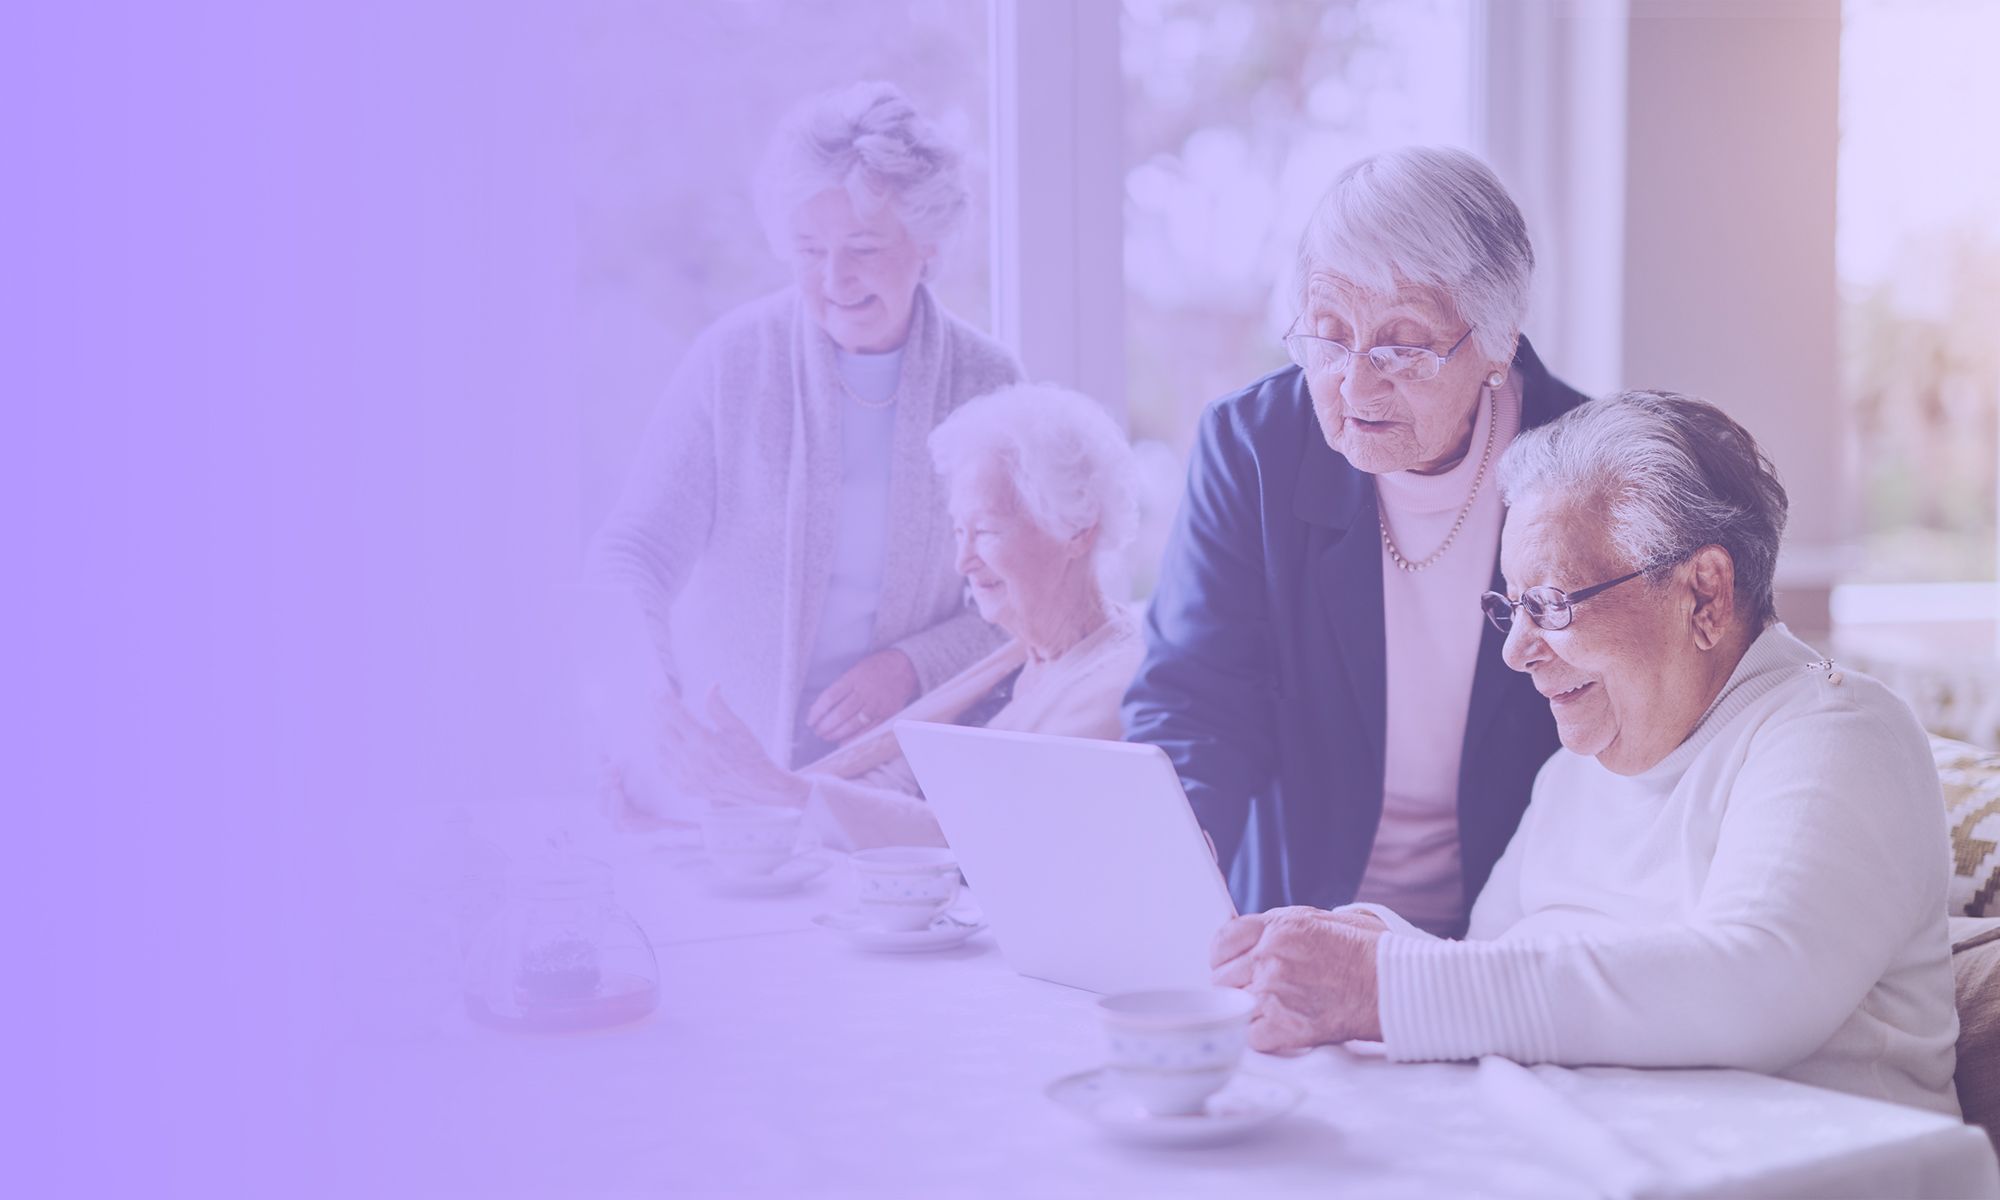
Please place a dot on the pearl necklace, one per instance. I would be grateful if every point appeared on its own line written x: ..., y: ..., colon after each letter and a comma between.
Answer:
x: 1479, y: 477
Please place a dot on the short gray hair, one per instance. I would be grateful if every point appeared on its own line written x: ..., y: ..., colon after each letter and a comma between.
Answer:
x: 1673, y: 473
x: 1067, y: 459
x: 1433, y: 216
x: 870, y: 140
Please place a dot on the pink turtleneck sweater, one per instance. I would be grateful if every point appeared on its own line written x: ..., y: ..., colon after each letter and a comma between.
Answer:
x: 1433, y: 624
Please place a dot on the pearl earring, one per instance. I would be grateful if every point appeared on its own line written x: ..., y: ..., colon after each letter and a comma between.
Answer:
x: 1495, y: 378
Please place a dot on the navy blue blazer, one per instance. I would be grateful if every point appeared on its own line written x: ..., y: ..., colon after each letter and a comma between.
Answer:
x: 1264, y: 677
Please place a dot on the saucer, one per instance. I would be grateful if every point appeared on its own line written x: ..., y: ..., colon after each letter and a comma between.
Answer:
x: 1246, y: 1103
x: 945, y: 932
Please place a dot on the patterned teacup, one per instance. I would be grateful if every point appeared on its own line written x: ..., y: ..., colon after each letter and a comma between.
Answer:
x: 754, y: 839
x: 1174, y: 1049
x: 905, y: 887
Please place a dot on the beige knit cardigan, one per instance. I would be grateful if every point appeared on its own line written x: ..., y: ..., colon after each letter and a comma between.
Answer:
x: 725, y: 532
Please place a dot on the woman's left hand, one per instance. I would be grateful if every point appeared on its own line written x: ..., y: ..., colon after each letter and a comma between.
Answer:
x: 725, y: 764
x: 1312, y: 974
x: 871, y: 691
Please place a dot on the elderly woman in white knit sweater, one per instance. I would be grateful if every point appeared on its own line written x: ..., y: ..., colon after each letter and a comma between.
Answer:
x: 1042, y: 507
x: 1738, y: 858
x: 781, y: 530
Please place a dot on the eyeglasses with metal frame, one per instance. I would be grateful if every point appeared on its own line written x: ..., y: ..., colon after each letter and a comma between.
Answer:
x: 1551, y: 608
x: 1412, y: 363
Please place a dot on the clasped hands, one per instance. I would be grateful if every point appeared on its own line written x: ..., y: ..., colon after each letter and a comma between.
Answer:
x: 1311, y: 972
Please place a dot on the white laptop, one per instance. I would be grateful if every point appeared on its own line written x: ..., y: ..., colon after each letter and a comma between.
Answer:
x: 1083, y: 853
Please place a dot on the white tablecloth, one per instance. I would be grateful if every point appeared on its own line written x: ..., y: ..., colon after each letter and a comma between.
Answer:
x: 784, y: 1061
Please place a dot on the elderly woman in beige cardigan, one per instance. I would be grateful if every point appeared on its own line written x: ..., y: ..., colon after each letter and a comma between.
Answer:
x: 782, y: 531
x: 1041, y: 504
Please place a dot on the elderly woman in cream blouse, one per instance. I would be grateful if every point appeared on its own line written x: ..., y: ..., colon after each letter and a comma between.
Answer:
x: 781, y: 530
x: 1041, y: 506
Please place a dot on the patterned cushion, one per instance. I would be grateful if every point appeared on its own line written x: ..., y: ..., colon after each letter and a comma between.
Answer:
x: 1975, y: 961
x: 1971, y: 779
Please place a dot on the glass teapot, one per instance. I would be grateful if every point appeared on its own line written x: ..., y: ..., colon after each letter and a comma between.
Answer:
x: 561, y: 955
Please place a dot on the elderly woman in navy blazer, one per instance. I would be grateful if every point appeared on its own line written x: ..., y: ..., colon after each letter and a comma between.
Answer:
x: 1317, y: 665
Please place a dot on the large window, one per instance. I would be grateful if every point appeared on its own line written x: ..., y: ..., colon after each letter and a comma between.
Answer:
x: 1919, y: 260
x: 1235, y: 117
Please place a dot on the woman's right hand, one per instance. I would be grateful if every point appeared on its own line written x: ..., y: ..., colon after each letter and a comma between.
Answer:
x: 1355, y: 918
x: 1312, y: 976
x: 1360, y: 920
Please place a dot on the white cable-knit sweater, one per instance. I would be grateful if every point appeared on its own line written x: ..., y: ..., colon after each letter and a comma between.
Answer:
x: 1770, y: 896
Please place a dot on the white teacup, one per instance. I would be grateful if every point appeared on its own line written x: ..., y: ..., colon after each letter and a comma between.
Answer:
x: 905, y: 887
x: 1174, y: 1049
x: 755, y: 839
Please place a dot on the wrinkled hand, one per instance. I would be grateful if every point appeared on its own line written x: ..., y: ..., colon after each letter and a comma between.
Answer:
x: 869, y: 693
x: 1312, y: 973
x: 1360, y: 920
x: 724, y: 764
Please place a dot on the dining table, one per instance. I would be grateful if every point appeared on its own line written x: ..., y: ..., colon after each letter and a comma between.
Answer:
x: 783, y: 1059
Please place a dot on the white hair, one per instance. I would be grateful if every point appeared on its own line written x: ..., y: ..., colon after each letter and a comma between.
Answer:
x: 1672, y: 473
x: 868, y: 139
x: 1069, y: 463
x: 1432, y: 216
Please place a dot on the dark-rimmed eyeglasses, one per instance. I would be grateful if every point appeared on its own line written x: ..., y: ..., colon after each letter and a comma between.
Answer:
x: 1413, y: 363
x: 1550, y: 607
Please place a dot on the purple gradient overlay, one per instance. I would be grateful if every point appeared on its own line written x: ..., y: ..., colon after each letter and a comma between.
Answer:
x: 299, y: 386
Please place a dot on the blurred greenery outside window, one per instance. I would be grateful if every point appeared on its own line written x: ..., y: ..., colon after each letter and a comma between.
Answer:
x: 1919, y: 261
x: 1237, y: 118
